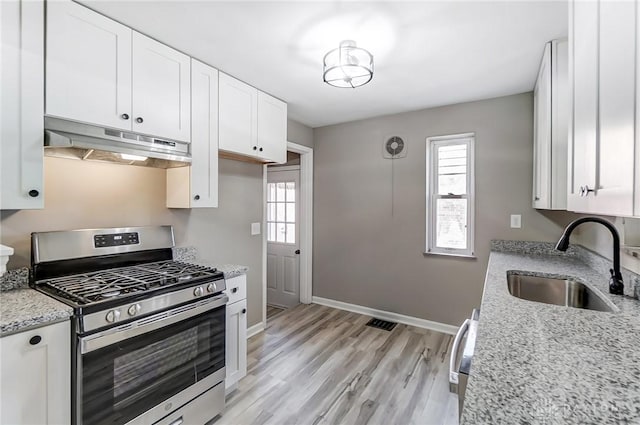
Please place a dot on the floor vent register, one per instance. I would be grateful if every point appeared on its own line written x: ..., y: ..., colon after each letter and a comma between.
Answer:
x: 381, y: 324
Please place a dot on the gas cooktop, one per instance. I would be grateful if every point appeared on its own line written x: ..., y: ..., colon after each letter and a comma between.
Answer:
x: 123, y: 282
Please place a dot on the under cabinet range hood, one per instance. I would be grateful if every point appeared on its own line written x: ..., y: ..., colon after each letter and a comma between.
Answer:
x: 70, y: 139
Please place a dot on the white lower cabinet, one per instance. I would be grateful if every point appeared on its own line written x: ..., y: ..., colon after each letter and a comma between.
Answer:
x: 236, y: 332
x: 35, y: 383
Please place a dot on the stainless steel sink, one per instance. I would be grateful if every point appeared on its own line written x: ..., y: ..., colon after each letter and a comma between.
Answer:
x: 548, y: 290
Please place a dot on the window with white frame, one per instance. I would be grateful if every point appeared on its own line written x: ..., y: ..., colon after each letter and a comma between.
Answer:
x: 450, y: 190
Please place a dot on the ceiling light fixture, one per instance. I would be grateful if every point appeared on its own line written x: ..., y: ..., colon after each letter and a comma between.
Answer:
x: 348, y: 66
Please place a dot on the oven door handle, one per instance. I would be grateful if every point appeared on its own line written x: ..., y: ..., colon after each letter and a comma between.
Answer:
x: 147, y: 324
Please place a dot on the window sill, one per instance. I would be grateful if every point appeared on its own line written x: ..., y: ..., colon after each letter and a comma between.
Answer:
x: 447, y: 254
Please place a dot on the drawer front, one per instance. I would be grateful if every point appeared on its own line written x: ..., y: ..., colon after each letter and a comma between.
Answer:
x: 236, y: 288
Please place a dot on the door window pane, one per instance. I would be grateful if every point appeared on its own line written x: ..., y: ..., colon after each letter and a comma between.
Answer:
x: 291, y: 233
x: 281, y: 212
x: 281, y: 231
x: 280, y: 192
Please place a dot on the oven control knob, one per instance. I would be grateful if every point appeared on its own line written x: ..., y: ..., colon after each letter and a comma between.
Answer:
x: 134, y: 309
x: 211, y: 287
x: 198, y: 292
x: 112, y: 316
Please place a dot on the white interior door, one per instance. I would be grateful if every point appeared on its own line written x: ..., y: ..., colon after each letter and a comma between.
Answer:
x: 283, y: 237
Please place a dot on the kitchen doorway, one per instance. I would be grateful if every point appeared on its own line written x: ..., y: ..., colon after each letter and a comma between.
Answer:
x: 283, y: 234
x: 288, y: 236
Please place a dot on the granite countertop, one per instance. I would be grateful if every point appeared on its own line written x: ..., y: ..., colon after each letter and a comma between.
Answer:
x: 538, y: 363
x: 23, y: 309
x: 190, y: 255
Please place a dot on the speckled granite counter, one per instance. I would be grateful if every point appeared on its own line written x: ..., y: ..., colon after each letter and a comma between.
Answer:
x: 190, y: 255
x: 22, y: 309
x: 537, y: 363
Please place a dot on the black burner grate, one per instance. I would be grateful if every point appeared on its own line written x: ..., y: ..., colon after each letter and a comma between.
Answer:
x: 381, y: 324
x: 101, y: 285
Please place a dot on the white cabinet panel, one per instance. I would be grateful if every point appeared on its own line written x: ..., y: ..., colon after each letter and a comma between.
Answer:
x: 238, y: 116
x: 542, y: 133
x: 551, y: 108
x: 252, y: 123
x: 615, y: 147
x: 88, y: 66
x: 272, y: 128
x: 22, y: 104
x: 582, y: 152
x: 35, y: 383
x: 604, y: 54
x: 161, y: 89
x: 197, y: 186
x: 236, y: 332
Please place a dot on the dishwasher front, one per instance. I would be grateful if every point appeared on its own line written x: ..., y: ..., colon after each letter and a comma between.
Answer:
x: 461, y: 356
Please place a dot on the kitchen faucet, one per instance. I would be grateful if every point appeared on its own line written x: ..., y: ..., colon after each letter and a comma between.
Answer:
x: 616, y: 286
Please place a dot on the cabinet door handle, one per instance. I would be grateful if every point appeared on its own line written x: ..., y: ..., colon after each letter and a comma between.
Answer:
x: 35, y: 340
x: 125, y: 116
x: 260, y: 149
x: 139, y: 120
x: 34, y: 193
x: 244, y: 310
x: 234, y: 290
x: 584, y: 190
x: 196, y: 197
x: 255, y: 148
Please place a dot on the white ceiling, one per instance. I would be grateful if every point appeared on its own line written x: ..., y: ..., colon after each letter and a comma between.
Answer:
x: 426, y: 53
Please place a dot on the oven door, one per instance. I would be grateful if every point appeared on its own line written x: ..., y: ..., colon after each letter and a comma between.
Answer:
x: 141, y: 371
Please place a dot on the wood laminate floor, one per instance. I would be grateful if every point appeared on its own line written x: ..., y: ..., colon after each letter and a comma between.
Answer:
x: 273, y: 311
x: 318, y: 365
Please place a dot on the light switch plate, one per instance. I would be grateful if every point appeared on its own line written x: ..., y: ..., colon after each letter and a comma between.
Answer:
x: 516, y: 221
x: 255, y: 229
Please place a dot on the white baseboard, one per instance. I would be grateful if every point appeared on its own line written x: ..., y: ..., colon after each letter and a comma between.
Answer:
x: 255, y: 329
x: 388, y: 315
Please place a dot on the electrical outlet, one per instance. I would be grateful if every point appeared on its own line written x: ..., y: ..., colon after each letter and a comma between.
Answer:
x: 516, y: 221
x: 255, y: 229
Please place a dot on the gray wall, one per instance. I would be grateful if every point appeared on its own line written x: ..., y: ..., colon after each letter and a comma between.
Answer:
x: 299, y: 133
x: 364, y: 255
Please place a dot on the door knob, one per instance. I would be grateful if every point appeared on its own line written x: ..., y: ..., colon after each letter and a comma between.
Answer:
x: 297, y: 251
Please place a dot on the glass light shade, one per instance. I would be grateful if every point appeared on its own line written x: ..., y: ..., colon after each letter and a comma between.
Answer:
x: 348, y: 66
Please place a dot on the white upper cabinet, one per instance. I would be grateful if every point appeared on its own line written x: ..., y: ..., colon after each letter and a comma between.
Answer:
x: 603, y: 54
x: 88, y: 66
x: 551, y: 108
x: 22, y: 104
x: 238, y: 116
x: 615, y: 147
x: 272, y: 128
x: 161, y: 89
x: 197, y: 186
x: 252, y: 123
x: 101, y: 72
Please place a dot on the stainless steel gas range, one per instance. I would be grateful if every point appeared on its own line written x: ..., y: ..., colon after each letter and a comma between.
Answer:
x: 149, y: 332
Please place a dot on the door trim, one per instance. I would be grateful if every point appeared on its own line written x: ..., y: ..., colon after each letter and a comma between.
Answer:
x: 306, y: 227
